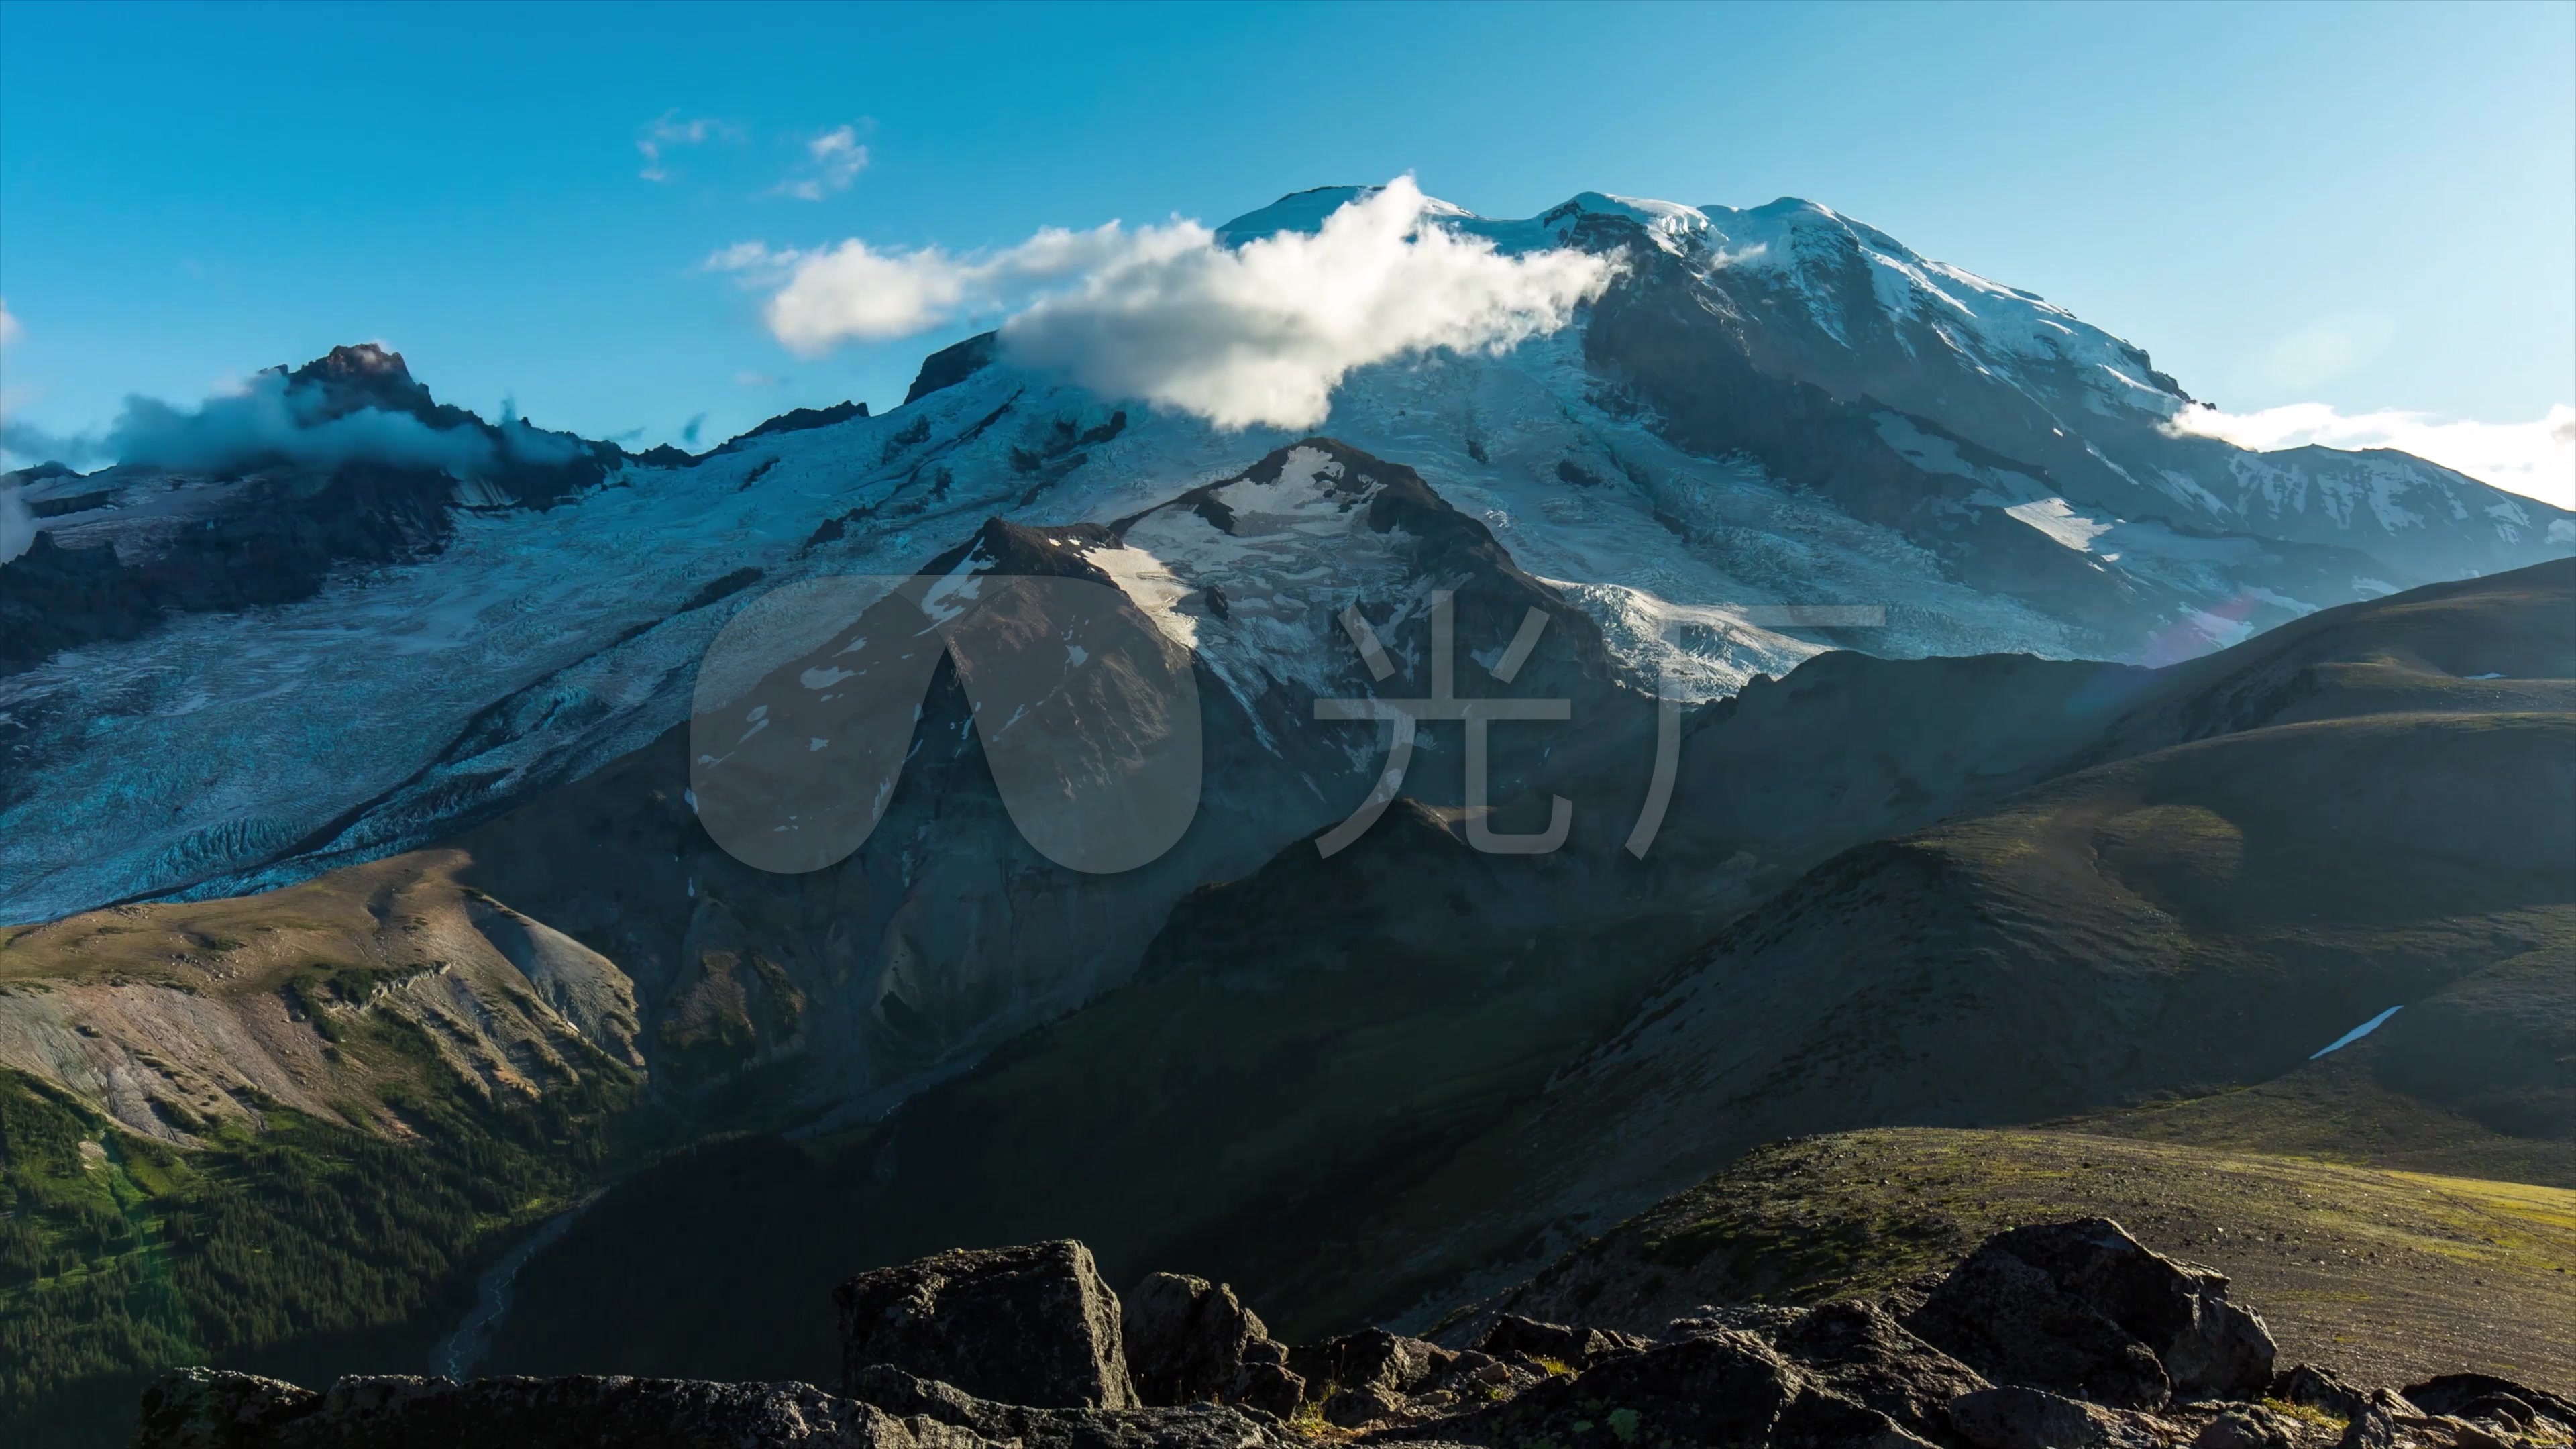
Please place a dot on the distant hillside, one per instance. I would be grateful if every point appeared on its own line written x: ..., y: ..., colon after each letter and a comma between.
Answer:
x: 1403, y: 1096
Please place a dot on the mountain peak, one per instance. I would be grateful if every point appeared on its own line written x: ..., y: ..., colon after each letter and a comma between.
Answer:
x: 364, y: 361
x: 365, y: 375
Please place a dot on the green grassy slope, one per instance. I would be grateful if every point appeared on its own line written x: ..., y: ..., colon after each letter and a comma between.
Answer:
x: 280, y: 1133
x: 2178, y: 925
x: 2383, y: 1275
x: 306, y: 1249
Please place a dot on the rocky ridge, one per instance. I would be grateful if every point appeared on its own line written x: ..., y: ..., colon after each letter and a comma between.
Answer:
x: 2067, y: 1335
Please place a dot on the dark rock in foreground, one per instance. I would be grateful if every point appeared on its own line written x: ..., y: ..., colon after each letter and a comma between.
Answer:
x: 209, y: 1409
x: 2026, y: 1418
x: 2068, y: 1336
x: 1190, y: 1341
x: 1032, y: 1325
x: 2084, y: 1309
x: 1186, y: 1426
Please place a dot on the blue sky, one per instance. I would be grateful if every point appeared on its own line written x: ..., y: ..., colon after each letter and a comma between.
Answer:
x: 2370, y: 208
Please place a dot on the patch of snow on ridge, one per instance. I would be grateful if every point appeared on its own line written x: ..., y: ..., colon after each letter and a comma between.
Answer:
x: 1700, y: 652
x: 1296, y: 551
x: 2063, y: 524
x: 1151, y: 585
x: 962, y: 585
x: 204, y: 757
x: 1999, y: 325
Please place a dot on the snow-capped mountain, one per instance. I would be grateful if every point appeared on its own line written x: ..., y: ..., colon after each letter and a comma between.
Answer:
x: 1779, y: 432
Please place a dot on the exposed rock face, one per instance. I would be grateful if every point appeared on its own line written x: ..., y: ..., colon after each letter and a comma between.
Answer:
x: 227, y: 523
x: 1187, y: 1426
x: 1861, y: 1352
x: 1039, y: 1338
x: 2484, y: 1396
x: 2082, y: 1308
x: 1031, y: 1325
x: 1578, y: 1347
x: 797, y: 420
x: 1723, y: 1388
x: 200, y: 1408
x: 2380, y: 1422
x: 1370, y: 1359
x: 950, y: 366
x: 2311, y: 1387
x: 1190, y: 1341
x: 2023, y: 1418
x: 2249, y: 1427
x: 210, y: 1409
x: 1266, y: 1382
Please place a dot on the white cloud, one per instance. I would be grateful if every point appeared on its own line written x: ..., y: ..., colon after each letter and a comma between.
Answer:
x: 265, y: 418
x: 10, y: 331
x: 1256, y: 334
x: 833, y: 160
x: 853, y: 291
x: 2536, y: 459
x: 669, y: 133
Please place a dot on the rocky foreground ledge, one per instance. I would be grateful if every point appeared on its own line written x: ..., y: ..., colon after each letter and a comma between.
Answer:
x: 2064, y: 1336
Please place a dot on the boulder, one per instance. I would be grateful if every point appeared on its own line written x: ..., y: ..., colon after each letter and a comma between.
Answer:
x: 2247, y: 1426
x: 1188, y: 1341
x: 1371, y: 1358
x: 1821, y: 1419
x: 2321, y: 1389
x: 1755, y: 1318
x: 1184, y: 1426
x: 1266, y: 1382
x: 1717, y: 1388
x: 1360, y: 1405
x: 206, y: 1409
x: 2081, y: 1308
x: 2484, y: 1396
x: 1573, y: 1347
x: 2024, y: 1418
x: 2376, y: 1425
x: 202, y: 1408
x: 1861, y: 1353
x: 1031, y: 1325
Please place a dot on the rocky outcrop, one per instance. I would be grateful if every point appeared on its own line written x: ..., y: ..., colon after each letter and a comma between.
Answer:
x: 2310, y: 1387
x: 950, y: 366
x: 1190, y: 1341
x: 2082, y: 1308
x: 1579, y: 1347
x: 210, y: 1409
x: 240, y: 509
x: 1027, y: 1347
x: 1860, y: 1351
x: 2484, y: 1396
x: 1031, y: 1325
x: 1182, y: 1426
x: 797, y: 420
x: 2026, y: 1418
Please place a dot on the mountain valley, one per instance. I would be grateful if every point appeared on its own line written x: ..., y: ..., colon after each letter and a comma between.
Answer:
x: 2068, y: 815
